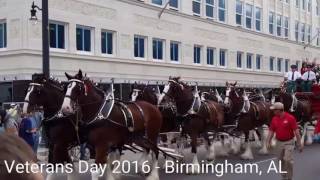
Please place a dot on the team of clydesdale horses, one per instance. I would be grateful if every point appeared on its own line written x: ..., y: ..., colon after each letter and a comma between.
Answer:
x: 79, y: 112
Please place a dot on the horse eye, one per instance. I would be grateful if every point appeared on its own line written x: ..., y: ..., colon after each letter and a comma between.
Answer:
x: 69, y: 86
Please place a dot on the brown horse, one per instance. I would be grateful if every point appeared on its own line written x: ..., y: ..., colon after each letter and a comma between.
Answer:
x: 113, y: 127
x: 300, y: 108
x: 207, y: 117
x: 143, y: 92
x: 49, y: 94
x: 247, y: 114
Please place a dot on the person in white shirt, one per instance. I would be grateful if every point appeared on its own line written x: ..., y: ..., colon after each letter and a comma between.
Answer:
x: 308, y: 78
x: 291, y: 77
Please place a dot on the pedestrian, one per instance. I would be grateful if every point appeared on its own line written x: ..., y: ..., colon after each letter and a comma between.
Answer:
x: 14, y: 150
x: 36, y: 118
x: 2, y: 116
x: 291, y: 77
x: 284, y: 127
x: 309, y: 77
x: 316, y: 137
x: 9, y: 124
x: 27, y: 130
x: 304, y: 67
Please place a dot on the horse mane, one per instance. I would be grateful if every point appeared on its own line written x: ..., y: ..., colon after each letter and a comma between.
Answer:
x: 93, y: 86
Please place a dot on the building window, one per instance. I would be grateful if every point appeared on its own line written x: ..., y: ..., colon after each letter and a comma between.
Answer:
x: 271, y: 64
x: 83, y: 39
x: 317, y: 8
x: 298, y: 64
x: 258, y: 19
x: 174, y: 51
x: 174, y: 4
x: 309, y: 5
x: 286, y: 27
x: 3, y: 35
x: 308, y: 31
x: 239, y: 12
x: 106, y: 42
x: 196, y: 7
x: 139, y: 46
x: 286, y: 66
x: 158, y: 2
x: 303, y: 31
x: 258, y: 62
x: 222, y: 10
x: 298, y: 3
x: 209, y: 8
x: 304, y: 4
x: 279, y: 64
x: 249, y: 61
x: 318, y: 37
x: 210, y: 56
x: 271, y: 22
x: 249, y: 11
x: 279, y: 25
x: 297, y: 30
x: 57, y: 36
x: 239, y: 59
x: 197, y: 54
x: 222, y: 57
x: 157, y: 49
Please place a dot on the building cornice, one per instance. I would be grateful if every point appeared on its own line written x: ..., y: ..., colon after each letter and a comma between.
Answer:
x: 184, y: 15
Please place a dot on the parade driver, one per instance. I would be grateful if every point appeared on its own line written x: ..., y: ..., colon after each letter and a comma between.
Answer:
x: 284, y: 126
x: 291, y: 77
x: 309, y: 77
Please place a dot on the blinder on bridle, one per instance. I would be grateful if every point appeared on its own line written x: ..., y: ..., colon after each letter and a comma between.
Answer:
x: 31, y: 87
x: 82, y: 86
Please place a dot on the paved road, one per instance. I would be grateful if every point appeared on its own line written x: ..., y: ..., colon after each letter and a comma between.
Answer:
x: 307, y: 167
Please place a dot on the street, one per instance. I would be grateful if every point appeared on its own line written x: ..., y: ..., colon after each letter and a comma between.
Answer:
x: 306, y: 167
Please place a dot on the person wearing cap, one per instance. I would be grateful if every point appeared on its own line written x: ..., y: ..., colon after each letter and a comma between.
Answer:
x: 284, y: 127
x: 291, y: 77
x: 309, y: 77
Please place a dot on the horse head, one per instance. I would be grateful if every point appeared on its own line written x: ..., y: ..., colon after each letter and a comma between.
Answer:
x: 83, y: 95
x: 180, y: 93
x: 43, y: 92
x: 144, y: 92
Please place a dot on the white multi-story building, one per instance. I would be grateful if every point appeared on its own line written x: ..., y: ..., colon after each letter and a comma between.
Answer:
x: 253, y: 42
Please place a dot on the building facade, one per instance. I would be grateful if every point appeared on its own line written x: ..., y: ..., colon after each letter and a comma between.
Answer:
x: 210, y: 42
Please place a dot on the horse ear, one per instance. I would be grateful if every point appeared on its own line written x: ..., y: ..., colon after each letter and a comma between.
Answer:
x: 227, y: 83
x: 235, y: 83
x: 80, y: 74
x: 68, y: 76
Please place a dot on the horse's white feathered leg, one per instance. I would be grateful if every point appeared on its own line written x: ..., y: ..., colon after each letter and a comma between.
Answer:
x: 247, y: 155
x: 154, y: 174
x: 195, y: 168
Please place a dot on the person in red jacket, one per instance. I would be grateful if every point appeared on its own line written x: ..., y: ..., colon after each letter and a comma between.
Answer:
x: 284, y: 127
x: 317, y: 129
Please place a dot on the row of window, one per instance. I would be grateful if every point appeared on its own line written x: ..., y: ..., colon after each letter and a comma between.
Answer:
x: 249, y: 60
x: 303, y: 32
x: 210, y: 55
x: 305, y: 4
x: 3, y: 35
x: 278, y: 25
x: 213, y: 9
x: 252, y: 14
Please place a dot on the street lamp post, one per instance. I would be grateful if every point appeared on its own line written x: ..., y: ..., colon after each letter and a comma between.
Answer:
x: 45, y: 34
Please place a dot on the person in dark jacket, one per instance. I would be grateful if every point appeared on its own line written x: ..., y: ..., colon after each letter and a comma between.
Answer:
x: 27, y: 131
